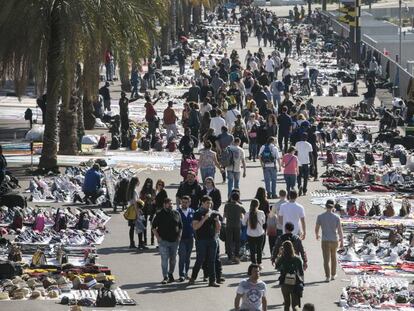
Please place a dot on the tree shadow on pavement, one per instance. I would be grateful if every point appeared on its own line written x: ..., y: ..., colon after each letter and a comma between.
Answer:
x: 156, y: 287
x: 315, y: 283
x: 275, y: 307
x: 115, y: 250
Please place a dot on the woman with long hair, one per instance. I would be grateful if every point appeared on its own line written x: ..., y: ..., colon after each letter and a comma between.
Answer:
x: 271, y: 126
x: 205, y: 124
x: 213, y: 192
x: 255, y: 219
x: 132, y: 197
x: 290, y: 164
x: 291, y: 276
x: 264, y: 206
x: 160, y: 195
x: 147, y: 195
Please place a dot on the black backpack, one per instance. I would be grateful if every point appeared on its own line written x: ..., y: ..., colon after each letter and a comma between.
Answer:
x: 121, y: 191
x: 115, y: 144
x: 369, y: 158
x: 28, y: 114
x: 386, y: 159
x: 145, y: 144
x: 8, y: 270
x: 105, y: 298
x: 350, y: 158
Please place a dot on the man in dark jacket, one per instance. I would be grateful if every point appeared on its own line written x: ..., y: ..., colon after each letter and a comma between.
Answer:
x: 192, y: 188
x: 167, y: 228
x: 187, y: 143
x: 104, y: 91
x: 285, y: 128
x: 296, y: 241
x: 3, y: 165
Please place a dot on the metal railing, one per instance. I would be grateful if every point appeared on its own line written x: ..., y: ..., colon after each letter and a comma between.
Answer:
x: 398, y: 75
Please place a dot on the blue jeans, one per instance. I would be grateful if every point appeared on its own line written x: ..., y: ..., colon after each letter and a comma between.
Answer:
x: 270, y: 176
x: 168, y: 252
x: 207, y: 172
x: 184, y: 255
x: 276, y: 100
x: 252, y: 150
x: 233, y: 180
x: 290, y: 180
x: 205, y: 248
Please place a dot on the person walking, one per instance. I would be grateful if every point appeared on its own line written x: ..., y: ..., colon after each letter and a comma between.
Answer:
x: 271, y: 229
x: 133, y: 199
x: 233, y: 214
x: 206, y: 225
x: 276, y: 208
x: 251, y: 292
x: 213, y: 192
x: 290, y: 164
x: 170, y: 119
x: 192, y: 188
x: 160, y: 195
x: 296, y: 241
x: 208, y: 162
x: 255, y: 219
x: 269, y: 155
x: 285, y: 128
x: 330, y: 224
x: 147, y: 195
x: 303, y: 148
x: 187, y: 238
x: 291, y: 276
x: 167, y: 228
x: 235, y: 166
x: 294, y: 213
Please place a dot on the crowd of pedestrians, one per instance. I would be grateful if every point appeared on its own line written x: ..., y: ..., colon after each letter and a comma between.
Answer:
x: 236, y: 112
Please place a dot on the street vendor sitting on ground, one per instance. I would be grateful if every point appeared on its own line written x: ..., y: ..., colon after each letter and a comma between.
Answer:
x: 92, y: 184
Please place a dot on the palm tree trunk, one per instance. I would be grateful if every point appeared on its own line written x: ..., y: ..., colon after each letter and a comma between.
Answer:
x: 165, y: 39
x: 48, y: 160
x: 197, y: 14
x: 124, y: 71
x: 173, y: 21
x: 90, y: 87
x: 186, y: 15
x: 81, y: 125
x: 68, y: 115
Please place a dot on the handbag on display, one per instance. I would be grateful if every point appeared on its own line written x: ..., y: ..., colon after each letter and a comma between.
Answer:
x: 105, y: 298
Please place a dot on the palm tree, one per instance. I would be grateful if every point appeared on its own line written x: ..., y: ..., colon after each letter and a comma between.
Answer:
x: 56, y: 33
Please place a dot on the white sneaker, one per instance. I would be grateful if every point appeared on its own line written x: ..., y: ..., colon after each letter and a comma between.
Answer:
x: 327, y: 280
x: 333, y: 277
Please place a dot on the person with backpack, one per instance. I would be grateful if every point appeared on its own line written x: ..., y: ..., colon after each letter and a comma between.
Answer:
x: 296, y: 241
x: 269, y: 155
x: 232, y: 158
x: 291, y: 275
